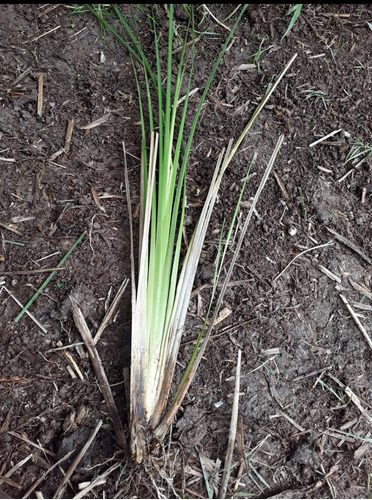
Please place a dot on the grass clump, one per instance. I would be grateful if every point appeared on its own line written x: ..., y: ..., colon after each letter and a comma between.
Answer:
x: 162, y: 278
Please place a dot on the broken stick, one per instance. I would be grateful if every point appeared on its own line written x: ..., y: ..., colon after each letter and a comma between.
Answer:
x: 100, y: 373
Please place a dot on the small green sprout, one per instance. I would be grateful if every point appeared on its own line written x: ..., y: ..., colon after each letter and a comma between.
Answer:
x: 358, y: 149
x: 258, y: 54
x: 296, y: 10
x: 317, y: 95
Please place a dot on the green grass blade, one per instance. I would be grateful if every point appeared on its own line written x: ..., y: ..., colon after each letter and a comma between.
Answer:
x: 296, y: 9
x: 49, y: 278
x: 209, y: 82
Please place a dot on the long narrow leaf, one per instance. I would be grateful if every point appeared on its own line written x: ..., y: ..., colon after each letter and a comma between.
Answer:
x: 163, y: 427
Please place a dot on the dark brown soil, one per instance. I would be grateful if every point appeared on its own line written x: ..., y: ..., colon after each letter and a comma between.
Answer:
x: 302, y: 349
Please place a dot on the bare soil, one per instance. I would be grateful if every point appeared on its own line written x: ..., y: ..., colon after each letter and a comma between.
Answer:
x: 306, y: 397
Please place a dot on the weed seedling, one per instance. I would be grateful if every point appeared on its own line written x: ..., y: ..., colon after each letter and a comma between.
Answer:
x: 358, y: 149
x: 338, y: 394
x: 359, y: 66
x: 258, y: 54
x: 33, y: 52
x: 296, y: 10
x: 317, y: 95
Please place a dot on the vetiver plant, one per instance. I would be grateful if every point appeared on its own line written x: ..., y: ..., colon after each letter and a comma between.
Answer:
x: 161, y: 288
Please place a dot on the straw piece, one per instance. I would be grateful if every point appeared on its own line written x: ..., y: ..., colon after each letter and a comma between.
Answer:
x: 76, y: 461
x: 41, y: 479
x: 96, y: 199
x: 232, y: 434
x: 349, y: 244
x: 106, y: 320
x: 27, y: 312
x: 28, y: 441
x: 16, y: 467
x: 291, y: 421
x: 9, y: 482
x: 11, y: 227
x: 98, y: 480
x: 326, y: 136
x: 44, y: 34
x: 21, y: 76
x: 354, y: 398
x: 73, y: 364
x: 215, y: 18
x: 360, y: 288
x: 299, y: 255
x: 328, y: 273
x: 356, y: 319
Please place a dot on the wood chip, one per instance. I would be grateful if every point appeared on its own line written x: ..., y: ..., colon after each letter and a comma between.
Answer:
x: 242, y: 456
x: 281, y: 185
x: 362, y: 450
x: 70, y: 128
x: 363, y: 307
x: 96, y: 199
x: 223, y: 315
x: 11, y: 227
x: 40, y: 85
x: 96, y: 123
x: 364, y: 192
x: 245, y: 67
